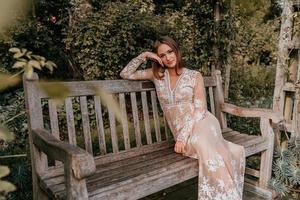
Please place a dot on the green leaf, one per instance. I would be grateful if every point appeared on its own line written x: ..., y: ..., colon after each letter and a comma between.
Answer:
x: 42, y: 62
x: 51, y: 64
x: 37, y: 57
x: 50, y: 67
x: 28, y: 71
x: 4, y: 171
x: 22, y: 59
x: 6, y: 187
x: 19, y: 64
x: 14, y: 50
x: 18, y: 55
x: 34, y: 64
x: 24, y: 51
x: 28, y: 54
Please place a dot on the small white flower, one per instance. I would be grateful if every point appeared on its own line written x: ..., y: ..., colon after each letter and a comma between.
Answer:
x: 198, y: 103
x: 214, y: 130
x: 215, y: 163
x: 221, y: 183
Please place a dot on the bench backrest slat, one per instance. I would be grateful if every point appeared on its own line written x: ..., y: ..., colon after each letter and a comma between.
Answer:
x: 166, y: 128
x: 156, y: 117
x: 86, y: 124
x: 136, y: 121
x: 53, y: 118
x: 54, y: 121
x: 211, y: 99
x: 113, y: 131
x: 146, y: 118
x: 99, y: 125
x: 124, y: 121
x: 70, y: 121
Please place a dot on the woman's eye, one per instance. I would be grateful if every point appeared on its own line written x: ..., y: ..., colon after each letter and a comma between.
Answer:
x: 170, y: 51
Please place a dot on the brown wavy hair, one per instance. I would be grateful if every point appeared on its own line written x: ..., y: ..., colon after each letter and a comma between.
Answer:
x: 156, y: 67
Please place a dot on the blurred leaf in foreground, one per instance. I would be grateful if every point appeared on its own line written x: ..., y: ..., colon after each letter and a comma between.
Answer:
x: 7, y: 81
x: 109, y: 101
x: 10, y: 10
x: 5, y: 186
x: 57, y: 91
x: 5, y: 134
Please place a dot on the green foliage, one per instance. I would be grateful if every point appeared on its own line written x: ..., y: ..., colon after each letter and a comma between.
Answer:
x: 254, y: 57
x: 104, y: 41
x: 253, y: 60
x: 98, y: 53
x: 286, y: 168
x: 27, y: 62
x: 12, y: 107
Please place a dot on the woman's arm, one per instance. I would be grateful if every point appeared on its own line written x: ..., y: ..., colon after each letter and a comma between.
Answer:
x: 198, y: 114
x: 130, y: 72
x: 199, y: 98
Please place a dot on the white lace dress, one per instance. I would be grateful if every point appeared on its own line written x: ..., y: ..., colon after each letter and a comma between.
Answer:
x: 221, y: 163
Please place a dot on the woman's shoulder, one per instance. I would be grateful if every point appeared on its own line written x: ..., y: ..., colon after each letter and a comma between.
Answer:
x: 193, y: 72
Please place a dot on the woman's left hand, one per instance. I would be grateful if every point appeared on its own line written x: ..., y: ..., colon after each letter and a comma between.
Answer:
x: 179, y: 147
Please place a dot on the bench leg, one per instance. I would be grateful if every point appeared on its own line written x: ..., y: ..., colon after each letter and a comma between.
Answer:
x: 265, y: 168
x: 38, y: 162
x: 37, y: 192
x: 42, y: 195
x: 267, y: 155
x: 76, y: 189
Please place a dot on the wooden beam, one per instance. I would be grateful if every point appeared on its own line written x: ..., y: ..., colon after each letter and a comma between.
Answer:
x: 251, y: 112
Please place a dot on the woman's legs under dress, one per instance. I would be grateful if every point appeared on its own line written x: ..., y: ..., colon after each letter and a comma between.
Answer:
x: 221, y: 163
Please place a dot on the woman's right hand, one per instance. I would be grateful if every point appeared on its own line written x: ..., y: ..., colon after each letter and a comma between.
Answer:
x: 153, y: 56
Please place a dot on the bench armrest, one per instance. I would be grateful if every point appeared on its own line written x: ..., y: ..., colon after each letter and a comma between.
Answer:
x: 251, y: 112
x: 81, y: 162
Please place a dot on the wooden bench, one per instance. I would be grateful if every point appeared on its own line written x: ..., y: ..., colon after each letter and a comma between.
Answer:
x: 100, y: 158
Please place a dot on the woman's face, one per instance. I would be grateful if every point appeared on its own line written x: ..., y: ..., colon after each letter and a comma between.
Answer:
x: 167, y: 55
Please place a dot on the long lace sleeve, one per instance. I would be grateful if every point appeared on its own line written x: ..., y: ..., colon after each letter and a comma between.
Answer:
x: 130, y: 72
x: 199, y: 98
x: 199, y: 105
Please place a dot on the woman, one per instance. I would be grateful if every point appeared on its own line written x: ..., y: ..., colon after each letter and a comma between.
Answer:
x: 197, y: 132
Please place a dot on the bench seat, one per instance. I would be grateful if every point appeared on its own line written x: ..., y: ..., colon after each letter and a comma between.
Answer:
x: 139, y: 172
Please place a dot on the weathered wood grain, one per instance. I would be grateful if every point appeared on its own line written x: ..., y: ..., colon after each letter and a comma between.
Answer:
x: 70, y: 121
x: 35, y: 120
x: 54, y: 121
x: 89, y: 88
x: 86, y: 125
x: 124, y: 121
x: 136, y: 121
x: 219, y: 99
x: 146, y: 118
x: 100, y: 127
x: 155, y: 116
x: 113, y: 130
x: 251, y: 112
x: 211, y: 100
